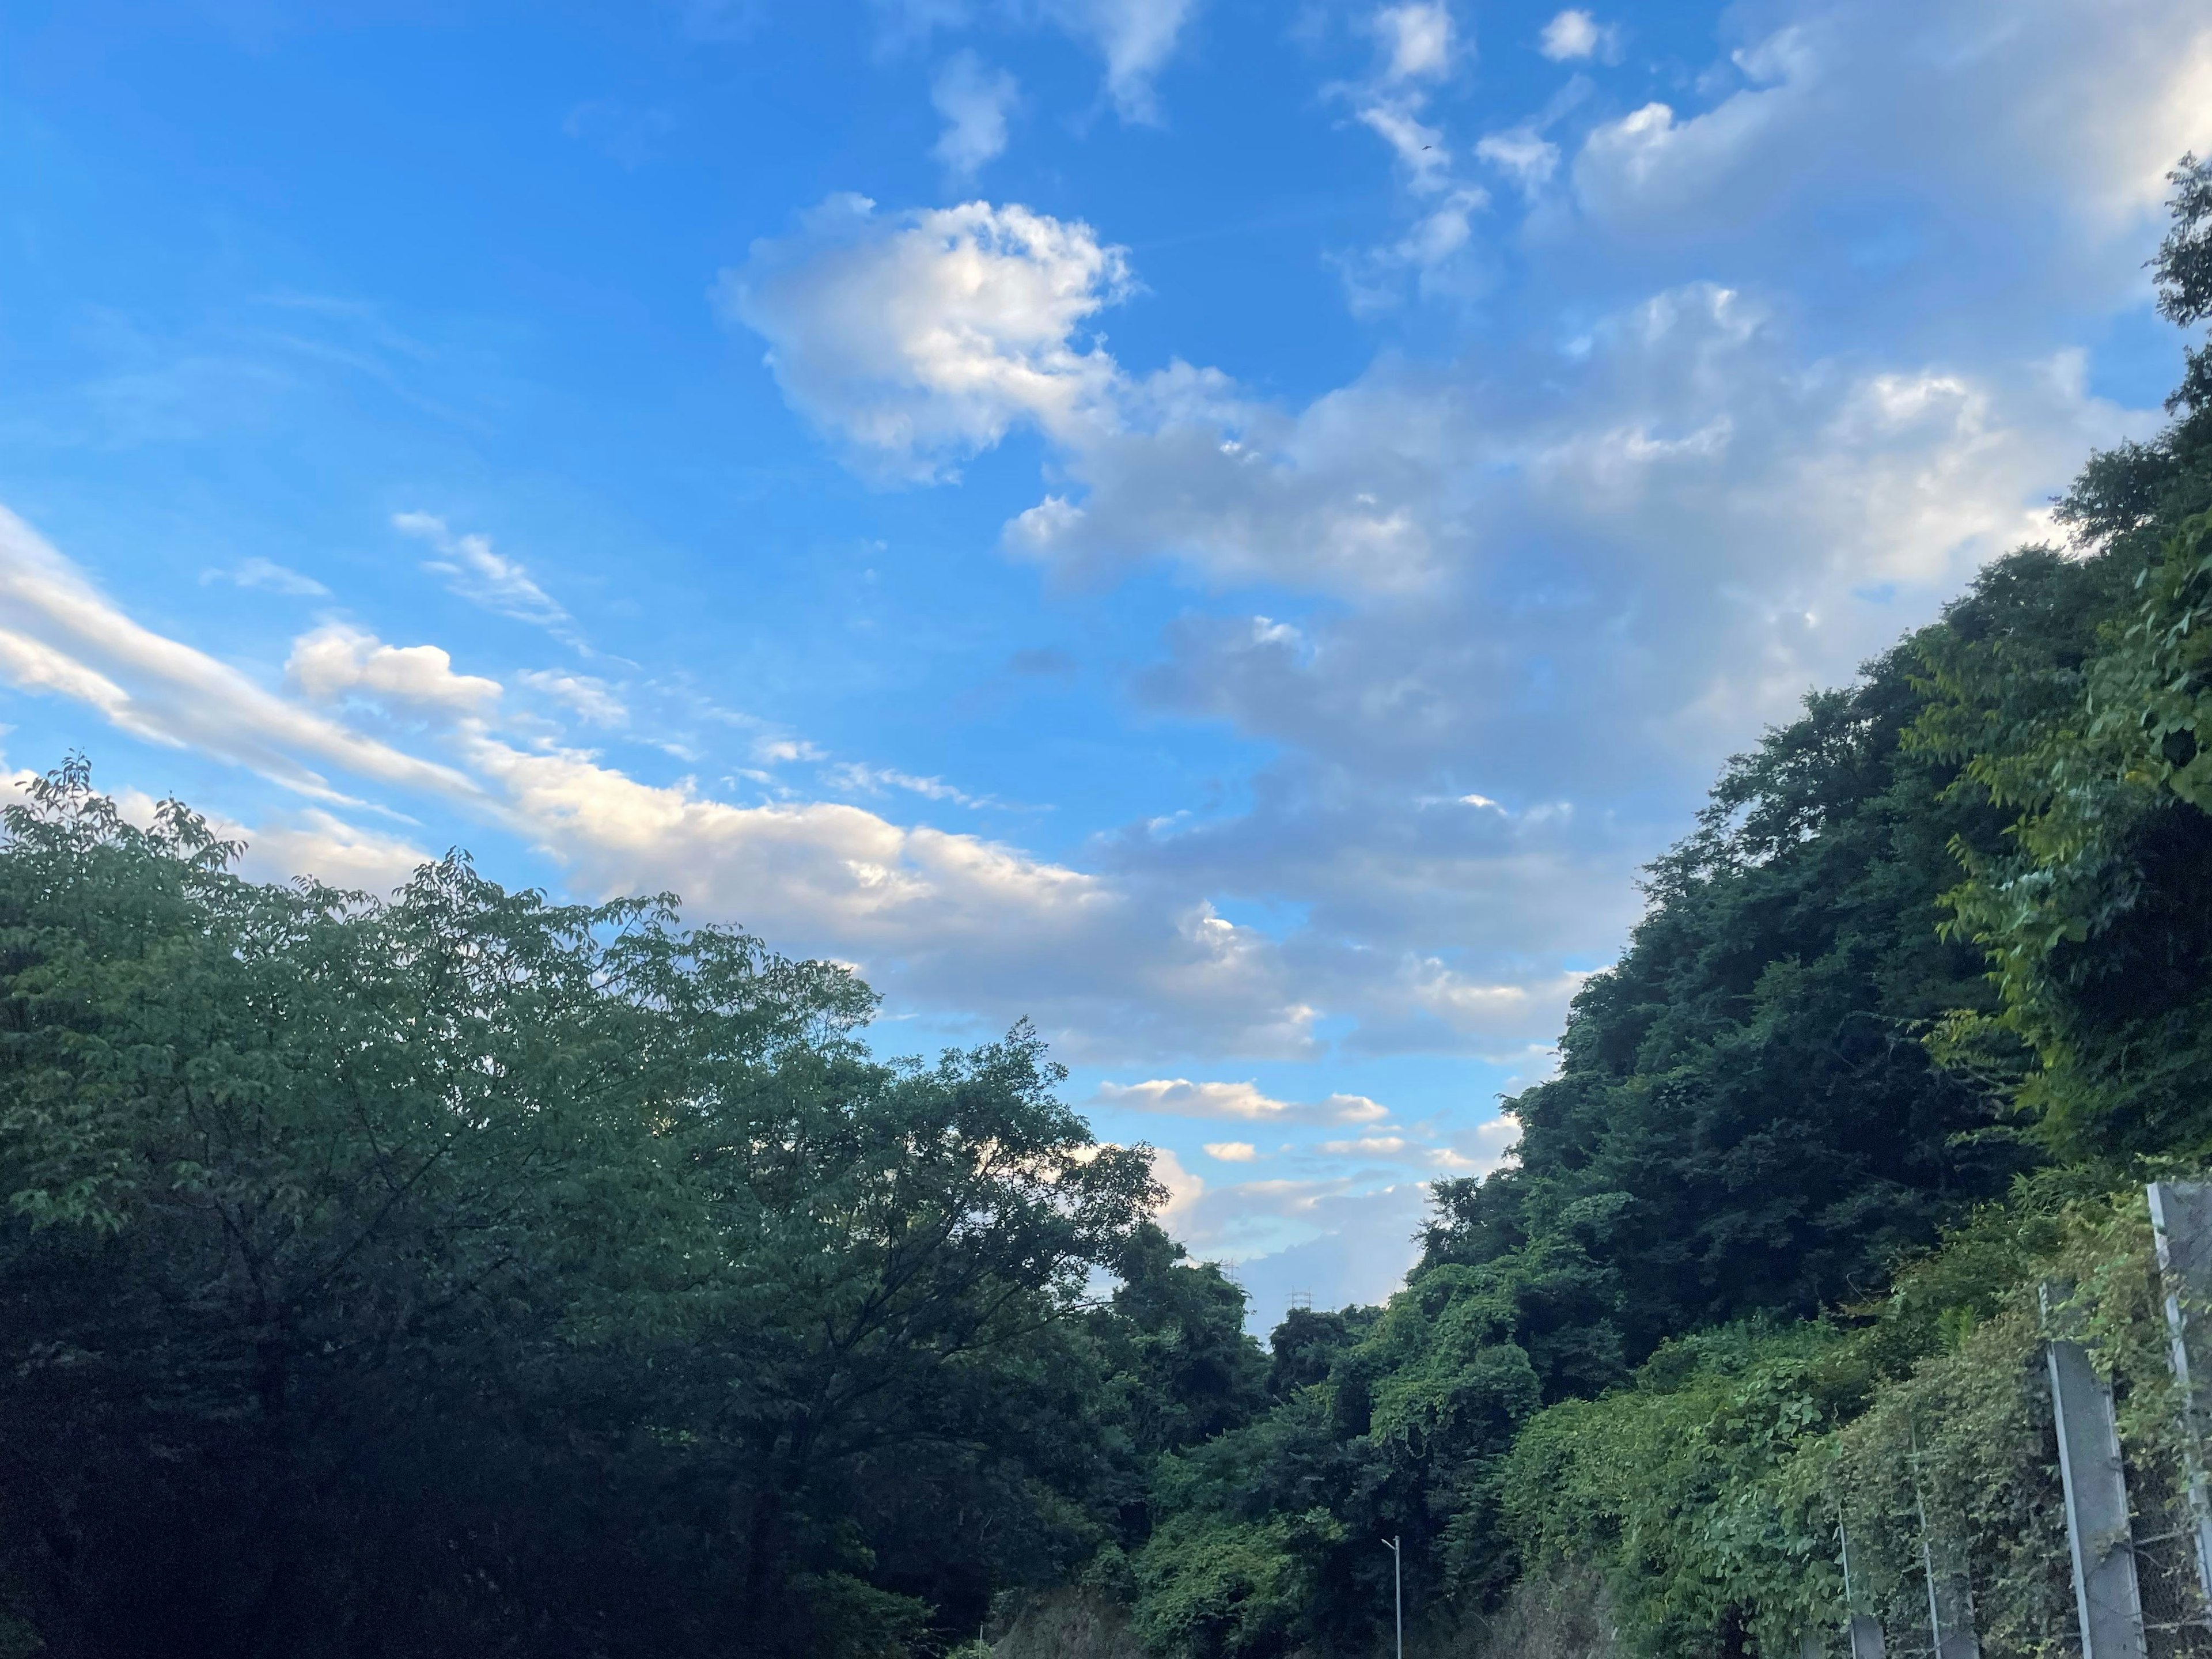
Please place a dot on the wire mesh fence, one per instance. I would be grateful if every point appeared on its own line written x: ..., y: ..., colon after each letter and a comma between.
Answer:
x: 2055, y: 1509
x: 2175, y: 1616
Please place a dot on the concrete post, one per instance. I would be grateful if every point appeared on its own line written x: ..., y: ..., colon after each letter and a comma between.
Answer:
x: 1950, y: 1590
x: 1865, y: 1629
x: 2181, y: 1222
x: 1866, y: 1636
x: 2105, y: 1595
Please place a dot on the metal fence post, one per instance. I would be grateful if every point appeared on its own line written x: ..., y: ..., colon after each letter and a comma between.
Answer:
x: 2105, y: 1593
x: 2181, y: 1222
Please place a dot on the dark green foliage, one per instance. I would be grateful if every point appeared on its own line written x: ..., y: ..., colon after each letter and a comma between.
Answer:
x: 1745, y: 1120
x: 471, y: 1274
x: 1176, y: 1347
x: 1306, y: 1344
x: 2089, y: 729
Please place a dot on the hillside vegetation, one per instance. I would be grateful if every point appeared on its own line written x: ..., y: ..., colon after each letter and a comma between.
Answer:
x: 466, y: 1273
x: 1931, y: 977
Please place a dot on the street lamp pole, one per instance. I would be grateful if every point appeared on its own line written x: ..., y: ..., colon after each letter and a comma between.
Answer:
x: 1398, y: 1590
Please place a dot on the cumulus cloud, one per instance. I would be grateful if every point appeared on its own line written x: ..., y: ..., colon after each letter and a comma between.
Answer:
x: 782, y: 750
x: 973, y: 101
x: 1326, y: 1242
x: 1231, y: 1152
x: 922, y: 339
x: 336, y: 662
x: 1180, y: 1098
x: 1665, y: 521
x: 1417, y: 40
x: 2058, y: 106
x: 1572, y: 35
x: 1420, y: 148
x: 1721, y: 523
x: 1345, y: 1247
x: 1496, y: 527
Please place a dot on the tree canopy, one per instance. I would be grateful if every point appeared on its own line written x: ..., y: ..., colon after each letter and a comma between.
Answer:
x: 469, y: 1273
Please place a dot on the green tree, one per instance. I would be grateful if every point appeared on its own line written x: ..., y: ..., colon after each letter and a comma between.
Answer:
x: 474, y: 1273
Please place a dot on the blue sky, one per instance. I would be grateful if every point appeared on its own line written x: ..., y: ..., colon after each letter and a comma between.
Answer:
x: 1229, y: 529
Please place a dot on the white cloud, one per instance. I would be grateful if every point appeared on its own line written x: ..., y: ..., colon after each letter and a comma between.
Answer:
x: 875, y: 780
x: 949, y: 922
x: 1349, y: 1247
x: 336, y: 662
x: 1435, y: 255
x: 1136, y: 37
x: 1666, y: 525
x: 268, y: 575
x: 482, y: 577
x: 1417, y: 40
x: 1471, y: 1151
x: 1180, y: 1098
x: 1231, y: 1152
x: 974, y: 102
x: 58, y: 634
x: 1420, y: 148
x: 782, y: 751
x: 317, y: 843
x: 1185, y: 1189
x: 1572, y: 35
x: 1528, y: 158
x: 922, y: 339
x: 1366, y: 1146
x: 1720, y: 522
x: 1430, y: 249
x: 2056, y: 108
x: 589, y: 697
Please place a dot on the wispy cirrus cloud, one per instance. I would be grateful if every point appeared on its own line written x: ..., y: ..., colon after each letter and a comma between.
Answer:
x: 60, y: 635
x: 589, y: 698
x: 269, y: 576
x: 473, y: 570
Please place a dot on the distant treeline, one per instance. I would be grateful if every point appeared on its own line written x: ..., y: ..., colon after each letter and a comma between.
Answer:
x: 469, y: 1274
